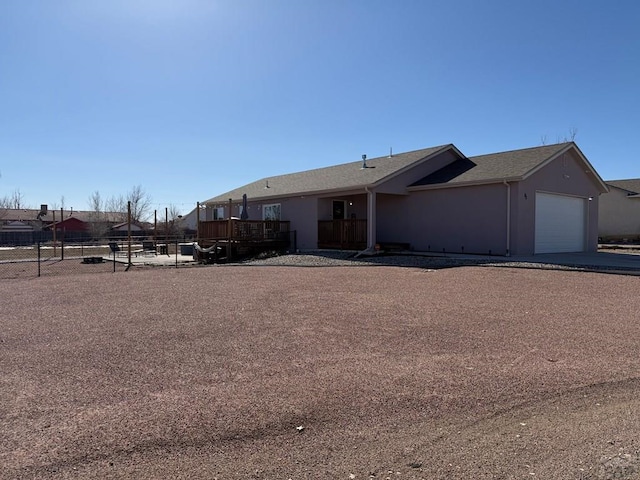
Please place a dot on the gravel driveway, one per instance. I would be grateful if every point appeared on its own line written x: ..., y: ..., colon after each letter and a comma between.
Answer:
x: 346, y: 372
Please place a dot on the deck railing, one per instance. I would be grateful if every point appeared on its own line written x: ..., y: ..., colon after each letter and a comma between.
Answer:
x: 348, y: 234
x: 243, y: 230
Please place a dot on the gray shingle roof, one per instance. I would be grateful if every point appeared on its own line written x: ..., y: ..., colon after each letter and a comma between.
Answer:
x: 631, y: 185
x: 511, y: 165
x: 494, y: 166
x: 339, y: 177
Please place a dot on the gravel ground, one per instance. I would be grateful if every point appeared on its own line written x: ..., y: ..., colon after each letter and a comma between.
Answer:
x: 265, y: 371
x: 344, y: 259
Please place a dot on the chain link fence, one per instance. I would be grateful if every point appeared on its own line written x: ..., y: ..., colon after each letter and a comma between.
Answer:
x: 109, y: 255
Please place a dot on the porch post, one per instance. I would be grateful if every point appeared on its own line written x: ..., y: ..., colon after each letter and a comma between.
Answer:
x: 371, y: 219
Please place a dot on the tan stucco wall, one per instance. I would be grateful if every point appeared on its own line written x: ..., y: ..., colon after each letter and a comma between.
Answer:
x: 619, y: 216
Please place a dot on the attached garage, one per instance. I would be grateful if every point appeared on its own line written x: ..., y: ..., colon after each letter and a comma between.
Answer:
x: 514, y: 203
x: 560, y: 223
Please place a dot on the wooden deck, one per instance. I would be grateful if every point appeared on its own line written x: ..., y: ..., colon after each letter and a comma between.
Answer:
x: 350, y: 234
x: 234, y: 238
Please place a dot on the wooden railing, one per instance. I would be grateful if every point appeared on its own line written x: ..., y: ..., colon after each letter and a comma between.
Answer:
x: 247, y: 230
x: 348, y: 234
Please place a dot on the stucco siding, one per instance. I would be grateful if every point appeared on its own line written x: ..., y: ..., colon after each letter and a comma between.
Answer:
x: 302, y: 213
x: 463, y: 220
x: 618, y: 216
x: 566, y: 176
x: 393, y: 221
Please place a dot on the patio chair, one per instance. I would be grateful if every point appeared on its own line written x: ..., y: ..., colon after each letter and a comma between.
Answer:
x: 118, y: 252
x: 115, y: 250
x: 148, y: 247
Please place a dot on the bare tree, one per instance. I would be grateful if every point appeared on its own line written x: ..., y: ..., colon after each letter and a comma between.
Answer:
x: 14, y: 200
x: 140, y: 204
x: 175, y: 220
x: 98, y: 218
x: 117, y: 207
x: 571, y: 137
x: 95, y: 202
x: 4, y: 206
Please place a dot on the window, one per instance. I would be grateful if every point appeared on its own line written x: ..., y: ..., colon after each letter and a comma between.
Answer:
x: 271, y: 212
x: 218, y: 213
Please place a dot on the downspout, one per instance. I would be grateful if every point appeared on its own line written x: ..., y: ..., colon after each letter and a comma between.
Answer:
x: 508, y: 217
x: 371, y: 223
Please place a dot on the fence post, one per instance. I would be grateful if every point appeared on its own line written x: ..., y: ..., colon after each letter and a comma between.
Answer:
x: 38, y: 258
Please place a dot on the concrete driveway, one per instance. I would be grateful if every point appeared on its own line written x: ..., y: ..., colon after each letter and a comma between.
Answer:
x: 601, y: 260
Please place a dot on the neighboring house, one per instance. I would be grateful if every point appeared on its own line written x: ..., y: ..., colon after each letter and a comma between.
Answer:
x: 124, y: 227
x: 619, y: 211
x: 521, y: 202
x: 69, y: 224
x: 16, y: 232
x: 26, y: 226
x: 189, y: 222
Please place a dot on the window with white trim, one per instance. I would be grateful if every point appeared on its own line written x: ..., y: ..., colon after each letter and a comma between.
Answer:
x: 218, y: 213
x: 271, y: 212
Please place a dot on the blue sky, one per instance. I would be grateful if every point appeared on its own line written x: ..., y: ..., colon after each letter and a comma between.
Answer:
x: 192, y: 98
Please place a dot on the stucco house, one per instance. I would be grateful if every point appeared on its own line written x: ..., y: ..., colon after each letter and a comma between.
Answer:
x: 535, y: 200
x: 619, y: 211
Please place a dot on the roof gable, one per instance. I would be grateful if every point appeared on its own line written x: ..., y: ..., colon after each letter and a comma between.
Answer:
x: 342, y: 177
x: 512, y: 165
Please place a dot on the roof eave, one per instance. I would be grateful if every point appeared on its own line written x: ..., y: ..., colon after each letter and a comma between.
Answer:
x: 439, y: 186
x: 628, y: 192
x: 315, y: 193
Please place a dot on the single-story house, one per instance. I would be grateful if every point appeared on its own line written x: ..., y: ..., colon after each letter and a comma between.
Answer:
x: 619, y: 211
x: 124, y: 227
x: 28, y: 225
x: 70, y: 224
x: 535, y: 200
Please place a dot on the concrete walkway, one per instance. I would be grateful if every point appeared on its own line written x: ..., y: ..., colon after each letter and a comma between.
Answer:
x: 159, y: 260
x: 622, y: 261
x: 609, y: 260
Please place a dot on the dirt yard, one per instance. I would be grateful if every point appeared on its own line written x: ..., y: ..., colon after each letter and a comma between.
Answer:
x: 371, y: 372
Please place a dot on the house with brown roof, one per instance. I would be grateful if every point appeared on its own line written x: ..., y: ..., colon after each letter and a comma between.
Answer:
x: 535, y: 200
x: 27, y: 225
x: 619, y: 211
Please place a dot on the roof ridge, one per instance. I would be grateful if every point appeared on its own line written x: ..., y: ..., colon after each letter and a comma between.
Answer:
x: 523, y: 149
x: 434, y: 148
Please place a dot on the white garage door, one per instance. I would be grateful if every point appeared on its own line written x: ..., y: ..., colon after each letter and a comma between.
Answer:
x: 560, y: 223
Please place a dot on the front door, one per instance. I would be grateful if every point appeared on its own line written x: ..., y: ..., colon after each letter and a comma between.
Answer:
x: 339, y: 210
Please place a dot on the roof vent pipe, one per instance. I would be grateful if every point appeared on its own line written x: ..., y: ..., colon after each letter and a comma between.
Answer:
x: 390, y: 152
x: 364, y: 161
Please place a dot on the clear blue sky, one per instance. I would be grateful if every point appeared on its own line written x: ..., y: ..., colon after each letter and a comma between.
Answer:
x: 191, y: 98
